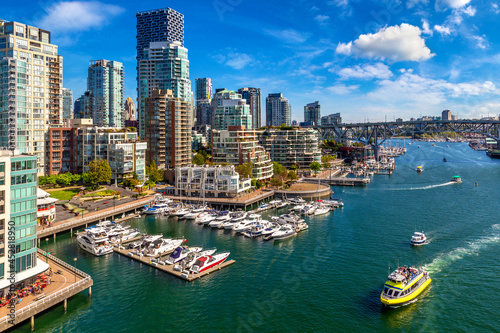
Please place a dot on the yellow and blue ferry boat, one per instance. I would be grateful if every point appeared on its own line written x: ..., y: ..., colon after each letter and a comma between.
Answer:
x: 404, y: 285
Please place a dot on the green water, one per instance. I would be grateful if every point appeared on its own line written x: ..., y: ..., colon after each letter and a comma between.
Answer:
x: 327, y: 279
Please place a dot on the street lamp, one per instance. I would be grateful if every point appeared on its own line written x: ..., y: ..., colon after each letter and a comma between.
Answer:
x: 47, y: 250
x: 74, y: 259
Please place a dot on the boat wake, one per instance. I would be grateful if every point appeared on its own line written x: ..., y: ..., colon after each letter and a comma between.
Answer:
x: 474, y: 248
x: 423, y: 187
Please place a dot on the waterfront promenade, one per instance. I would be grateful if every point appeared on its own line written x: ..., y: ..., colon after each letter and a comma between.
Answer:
x: 94, y: 216
x: 65, y: 281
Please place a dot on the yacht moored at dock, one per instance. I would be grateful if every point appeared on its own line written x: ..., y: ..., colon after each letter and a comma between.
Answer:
x: 404, y: 285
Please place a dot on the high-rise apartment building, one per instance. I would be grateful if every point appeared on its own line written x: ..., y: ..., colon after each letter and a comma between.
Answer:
x: 278, y: 110
x: 129, y: 110
x: 158, y: 25
x: 30, y: 88
x: 18, y: 212
x: 229, y: 109
x: 203, y: 98
x: 312, y: 113
x: 67, y: 105
x: 253, y: 98
x: 168, y: 130
x: 105, y: 92
x: 331, y: 119
x: 166, y: 67
x: 203, y: 89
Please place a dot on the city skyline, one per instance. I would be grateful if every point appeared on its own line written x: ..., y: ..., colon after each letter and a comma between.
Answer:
x: 366, y: 60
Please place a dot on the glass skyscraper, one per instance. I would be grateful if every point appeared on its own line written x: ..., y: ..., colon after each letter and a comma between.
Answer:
x: 30, y: 88
x: 278, y: 110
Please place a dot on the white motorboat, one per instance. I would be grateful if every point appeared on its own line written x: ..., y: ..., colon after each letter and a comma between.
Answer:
x: 284, y: 232
x: 297, y: 201
x: 161, y: 246
x: 308, y: 209
x: 298, y: 207
x: 255, y: 230
x: 180, y: 213
x: 157, y: 209
x: 192, y: 215
x: 321, y: 210
x: 191, y: 258
x: 95, y: 243
x: 242, y: 226
x: 282, y: 204
x: 288, y: 218
x: 418, y: 238
x: 221, y: 219
x: 333, y: 203
x: 180, y: 253
x: 238, y: 216
x: 205, y: 218
x: 206, y: 262
x: 228, y: 225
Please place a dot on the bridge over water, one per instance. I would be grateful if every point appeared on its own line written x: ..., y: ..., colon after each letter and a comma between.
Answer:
x: 376, y: 134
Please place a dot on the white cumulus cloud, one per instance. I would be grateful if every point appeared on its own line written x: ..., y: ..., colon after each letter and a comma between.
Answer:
x: 341, y: 89
x: 321, y: 18
x: 455, y: 3
x: 234, y: 60
x: 395, y: 43
x: 73, y: 16
x: 442, y: 29
x: 366, y: 72
x: 289, y: 35
x: 426, y: 28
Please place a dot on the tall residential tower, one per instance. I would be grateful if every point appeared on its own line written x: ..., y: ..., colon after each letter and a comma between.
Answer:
x: 278, y: 110
x: 312, y: 113
x: 30, y: 88
x: 253, y: 98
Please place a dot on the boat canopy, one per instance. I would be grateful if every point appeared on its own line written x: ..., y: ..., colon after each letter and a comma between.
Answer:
x: 456, y: 177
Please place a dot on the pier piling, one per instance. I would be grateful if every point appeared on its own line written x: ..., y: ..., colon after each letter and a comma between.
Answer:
x: 65, y: 304
x: 32, y: 323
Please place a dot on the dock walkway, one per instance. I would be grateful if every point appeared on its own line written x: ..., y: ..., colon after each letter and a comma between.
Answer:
x: 170, y: 268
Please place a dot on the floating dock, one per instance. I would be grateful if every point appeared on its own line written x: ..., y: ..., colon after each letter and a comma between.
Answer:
x: 170, y: 268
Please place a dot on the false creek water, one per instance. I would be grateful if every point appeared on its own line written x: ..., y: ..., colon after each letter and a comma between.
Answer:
x: 328, y: 278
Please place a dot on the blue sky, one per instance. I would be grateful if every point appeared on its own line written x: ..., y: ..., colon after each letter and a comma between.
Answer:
x: 368, y: 60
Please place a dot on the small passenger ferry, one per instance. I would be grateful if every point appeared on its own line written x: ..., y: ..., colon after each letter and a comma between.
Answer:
x: 404, y: 285
x: 418, y: 238
x: 456, y: 179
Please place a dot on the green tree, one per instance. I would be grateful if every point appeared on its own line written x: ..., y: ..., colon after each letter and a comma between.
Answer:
x: 99, y: 172
x: 294, y: 167
x: 245, y: 170
x: 279, y: 170
x: 130, y: 183
x: 155, y: 175
x: 85, y: 178
x: 76, y: 178
x: 52, y: 179
x: 199, y: 159
x: 315, y: 166
x: 42, y: 180
x: 292, y: 175
x: 275, y: 181
x: 64, y: 179
x: 257, y: 183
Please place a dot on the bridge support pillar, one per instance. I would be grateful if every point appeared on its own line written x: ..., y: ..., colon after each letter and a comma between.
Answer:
x: 376, y: 153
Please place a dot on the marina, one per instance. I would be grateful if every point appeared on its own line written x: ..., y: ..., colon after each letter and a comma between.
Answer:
x: 339, y: 245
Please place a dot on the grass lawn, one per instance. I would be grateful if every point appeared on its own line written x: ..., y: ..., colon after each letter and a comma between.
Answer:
x: 64, y: 194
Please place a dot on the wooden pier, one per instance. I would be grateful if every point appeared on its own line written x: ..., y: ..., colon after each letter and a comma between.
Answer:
x: 170, y: 268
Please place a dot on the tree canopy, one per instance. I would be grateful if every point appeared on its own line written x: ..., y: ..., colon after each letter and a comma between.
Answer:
x: 315, y: 166
x: 245, y: 170
x: 99, y: 172
x: 155, y: 175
